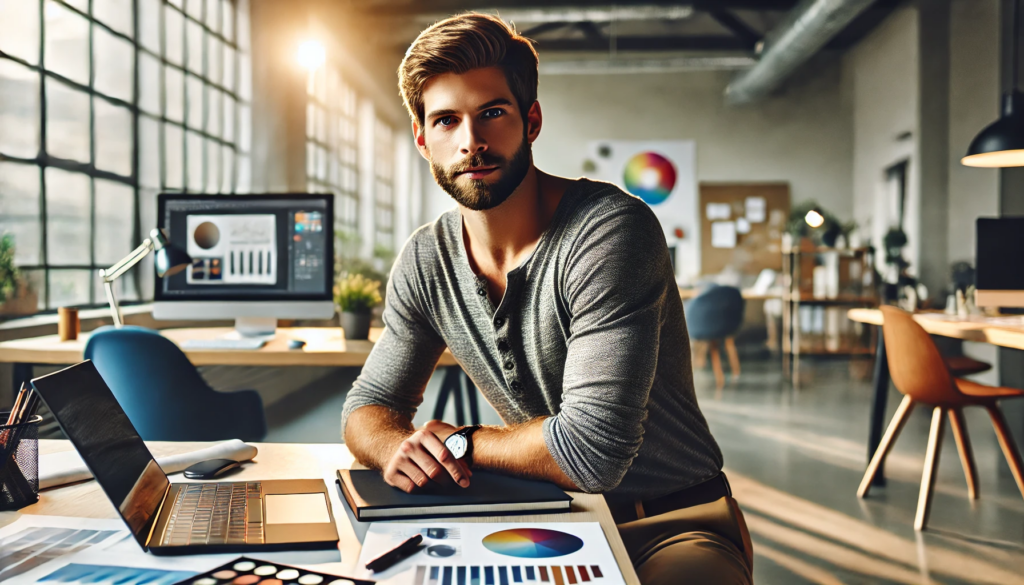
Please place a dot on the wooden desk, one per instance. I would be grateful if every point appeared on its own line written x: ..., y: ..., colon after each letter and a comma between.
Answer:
x: 1004, y: 331
x: 300, y: 461
x: 325, y: 346
x: 748, y: 294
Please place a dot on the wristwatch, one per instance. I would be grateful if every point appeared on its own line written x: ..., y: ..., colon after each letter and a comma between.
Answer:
x: 460, y: 442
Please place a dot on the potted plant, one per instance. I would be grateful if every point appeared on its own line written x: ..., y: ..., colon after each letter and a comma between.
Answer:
x: 16, y: 297
x: 356, y: 296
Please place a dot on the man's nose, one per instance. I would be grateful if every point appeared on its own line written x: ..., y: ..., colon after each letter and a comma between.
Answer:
x: 472, y: 142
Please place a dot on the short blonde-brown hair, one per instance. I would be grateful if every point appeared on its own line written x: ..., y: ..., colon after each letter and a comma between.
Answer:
x: 463, y: 43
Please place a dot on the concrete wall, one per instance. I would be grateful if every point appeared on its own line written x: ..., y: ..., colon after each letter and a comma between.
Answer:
x: 882, y: 70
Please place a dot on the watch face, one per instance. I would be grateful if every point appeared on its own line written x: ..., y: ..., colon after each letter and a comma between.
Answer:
x: 457, y: 444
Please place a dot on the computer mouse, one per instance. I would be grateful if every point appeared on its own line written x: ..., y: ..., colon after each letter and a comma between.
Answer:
x: 210, y: 469
x: 296, y: 344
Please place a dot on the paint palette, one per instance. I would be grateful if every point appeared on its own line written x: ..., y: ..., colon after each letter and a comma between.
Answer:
x: 246, y: 571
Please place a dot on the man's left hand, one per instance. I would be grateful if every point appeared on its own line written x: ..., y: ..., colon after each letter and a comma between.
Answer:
x: 440, y: 428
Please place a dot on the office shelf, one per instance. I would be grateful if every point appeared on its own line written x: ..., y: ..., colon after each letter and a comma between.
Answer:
x: 820, y: 285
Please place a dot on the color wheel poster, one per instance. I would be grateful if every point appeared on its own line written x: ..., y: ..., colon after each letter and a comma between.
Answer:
x: 663, y: 174
x: 556, y: 553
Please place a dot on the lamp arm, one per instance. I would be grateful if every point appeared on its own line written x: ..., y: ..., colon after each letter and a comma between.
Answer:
x: 114, y: 272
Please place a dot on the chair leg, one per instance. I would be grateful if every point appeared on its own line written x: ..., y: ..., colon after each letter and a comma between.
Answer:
x: 963, y: 446
x: 700, y: 354
x: 888, y: 439
x: 716, y: 365
x: 1009, y: 446
x: 734, y: 357
x: 931, y: 464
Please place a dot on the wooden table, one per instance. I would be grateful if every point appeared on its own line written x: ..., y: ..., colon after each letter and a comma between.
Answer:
x: 301, y: 461
x: 325, y: 346
x: 747, y: 293
x: 1004, y: 331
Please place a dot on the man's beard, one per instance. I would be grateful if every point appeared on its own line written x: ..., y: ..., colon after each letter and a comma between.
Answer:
x: 479, y: 195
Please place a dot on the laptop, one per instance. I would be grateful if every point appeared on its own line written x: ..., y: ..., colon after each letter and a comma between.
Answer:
x: 180, y: 518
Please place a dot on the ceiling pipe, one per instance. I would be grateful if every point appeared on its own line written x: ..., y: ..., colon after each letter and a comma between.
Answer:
x: 801, y: 34
x: 628, y: 65
x: 581, y: 13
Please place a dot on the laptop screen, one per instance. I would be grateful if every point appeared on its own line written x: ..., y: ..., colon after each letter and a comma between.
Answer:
x: 90, y: 416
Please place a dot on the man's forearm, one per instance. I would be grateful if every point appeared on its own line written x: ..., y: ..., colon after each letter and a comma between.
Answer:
x: 519, y: 450
x: 373, y: 433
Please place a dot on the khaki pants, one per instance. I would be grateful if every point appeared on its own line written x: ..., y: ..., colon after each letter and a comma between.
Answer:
x: 708, y: 543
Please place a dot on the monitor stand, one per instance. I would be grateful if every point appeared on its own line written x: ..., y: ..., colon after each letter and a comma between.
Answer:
x: 255, y: 326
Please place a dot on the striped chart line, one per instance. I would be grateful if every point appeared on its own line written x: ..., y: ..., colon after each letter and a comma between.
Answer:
x: 506, y: 575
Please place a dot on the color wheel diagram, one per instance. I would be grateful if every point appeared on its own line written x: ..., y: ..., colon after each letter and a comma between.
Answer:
x: 650, y: 176
x: 532, y: 543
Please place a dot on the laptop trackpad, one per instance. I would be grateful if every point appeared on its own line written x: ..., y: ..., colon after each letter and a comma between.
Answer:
x: 296, y: 509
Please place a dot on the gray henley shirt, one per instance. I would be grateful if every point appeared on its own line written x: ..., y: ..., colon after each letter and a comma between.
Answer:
x: 590, y: 332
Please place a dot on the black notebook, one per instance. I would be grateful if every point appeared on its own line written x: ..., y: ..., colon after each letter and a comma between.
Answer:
x: 488, y: 493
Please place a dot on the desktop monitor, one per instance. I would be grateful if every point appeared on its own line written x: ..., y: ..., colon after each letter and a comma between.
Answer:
x: 255, y: 258
x: 999, y: 262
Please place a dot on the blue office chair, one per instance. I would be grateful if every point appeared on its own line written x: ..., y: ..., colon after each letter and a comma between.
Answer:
x: 164, y: 395
x: 713, y: 317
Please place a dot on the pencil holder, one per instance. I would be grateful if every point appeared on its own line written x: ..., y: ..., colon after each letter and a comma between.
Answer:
x: 19, y: 463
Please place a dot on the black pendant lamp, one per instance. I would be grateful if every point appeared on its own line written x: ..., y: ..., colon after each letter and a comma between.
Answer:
x: 1001, y: 143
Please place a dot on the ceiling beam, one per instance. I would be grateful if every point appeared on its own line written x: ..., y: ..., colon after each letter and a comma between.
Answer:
x: 740, y: 29
x: 406, y: 8
x: 591, y: 32
x: 542, y: 28
x: 679, y: 43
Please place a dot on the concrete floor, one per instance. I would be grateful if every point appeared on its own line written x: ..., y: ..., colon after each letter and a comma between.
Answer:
x: 795, y: 458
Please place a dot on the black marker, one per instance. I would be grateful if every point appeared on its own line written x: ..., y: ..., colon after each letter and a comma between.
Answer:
x: 394, y: 555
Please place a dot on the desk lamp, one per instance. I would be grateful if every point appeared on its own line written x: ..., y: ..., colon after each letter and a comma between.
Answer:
x: 169, y: 261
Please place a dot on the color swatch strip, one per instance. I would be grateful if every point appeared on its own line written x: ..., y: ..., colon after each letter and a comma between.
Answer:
x: 506, y: 575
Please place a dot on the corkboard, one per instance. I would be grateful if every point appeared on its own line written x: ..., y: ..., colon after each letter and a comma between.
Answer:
x: 756, y: 250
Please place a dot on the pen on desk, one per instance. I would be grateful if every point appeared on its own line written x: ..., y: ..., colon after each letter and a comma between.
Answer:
x: 394, y: 555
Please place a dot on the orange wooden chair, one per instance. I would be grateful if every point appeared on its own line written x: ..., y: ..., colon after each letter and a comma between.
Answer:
x: 920, y: 374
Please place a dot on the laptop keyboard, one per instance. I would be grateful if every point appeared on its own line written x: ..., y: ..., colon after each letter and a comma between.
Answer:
x: 216, y: 513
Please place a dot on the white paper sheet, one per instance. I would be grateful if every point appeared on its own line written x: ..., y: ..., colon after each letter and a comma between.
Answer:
x: 61, y: 549
x: 67, y: 467
x: 723, y: 234
x: 718, y: 211
x: 519, y: 550
x: 756, y: 208
x: 742, y: 226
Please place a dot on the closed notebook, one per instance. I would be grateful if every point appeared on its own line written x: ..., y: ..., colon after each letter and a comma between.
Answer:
x: 371, y: 498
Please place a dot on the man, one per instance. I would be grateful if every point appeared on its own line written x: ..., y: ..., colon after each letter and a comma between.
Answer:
x: 557, y: 297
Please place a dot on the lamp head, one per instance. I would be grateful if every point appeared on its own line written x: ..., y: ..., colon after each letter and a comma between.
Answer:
x: 814, y: 218
x: 1001, y: 143
x: 170, y: 259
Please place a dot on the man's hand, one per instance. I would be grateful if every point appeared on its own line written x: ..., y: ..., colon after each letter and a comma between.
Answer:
x: 423, y: 458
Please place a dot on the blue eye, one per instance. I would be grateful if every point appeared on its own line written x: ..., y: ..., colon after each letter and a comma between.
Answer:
x: 446, y: 121
x: 493, y: 113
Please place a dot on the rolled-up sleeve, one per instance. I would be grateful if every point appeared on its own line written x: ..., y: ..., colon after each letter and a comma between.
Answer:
x: 615, y: 284
x: 401, y: 362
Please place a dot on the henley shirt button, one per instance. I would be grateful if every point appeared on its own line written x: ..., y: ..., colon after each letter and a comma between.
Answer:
x: 509, y: 365
x: 499, y: 322
x: 517, y: 386
x: 502, y: 346
x: 481, y: 292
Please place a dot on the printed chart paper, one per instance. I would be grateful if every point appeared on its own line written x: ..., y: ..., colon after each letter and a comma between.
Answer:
x: 553, y: 553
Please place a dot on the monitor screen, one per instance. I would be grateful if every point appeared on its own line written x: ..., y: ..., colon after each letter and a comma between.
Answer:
x: 249, y: 247
x: 1000, y: 253
x: 113, y: 451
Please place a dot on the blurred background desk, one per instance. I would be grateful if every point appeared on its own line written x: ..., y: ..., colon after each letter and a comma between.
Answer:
x: 295, y: 461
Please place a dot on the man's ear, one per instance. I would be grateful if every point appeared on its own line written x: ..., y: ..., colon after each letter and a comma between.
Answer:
x: 420, y: 140
x: 534, y: 120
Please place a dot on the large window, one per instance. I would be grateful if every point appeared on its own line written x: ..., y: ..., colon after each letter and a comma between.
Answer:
x: 332, y: 147
x: 384, y: 189
x: 102, y: 105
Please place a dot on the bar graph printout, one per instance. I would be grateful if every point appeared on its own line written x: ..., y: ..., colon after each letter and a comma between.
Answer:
x: 562, y: 553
